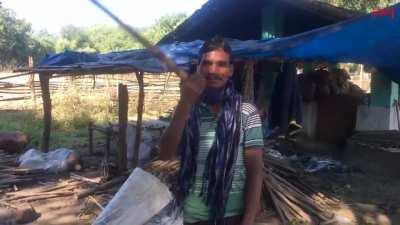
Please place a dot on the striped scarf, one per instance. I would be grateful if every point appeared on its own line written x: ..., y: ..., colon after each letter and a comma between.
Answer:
x: 219, y: 168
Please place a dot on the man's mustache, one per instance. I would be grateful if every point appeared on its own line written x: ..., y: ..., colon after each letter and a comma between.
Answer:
x: 212, y: 77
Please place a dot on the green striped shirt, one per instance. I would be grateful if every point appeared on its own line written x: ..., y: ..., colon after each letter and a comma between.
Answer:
x: 195, y: 208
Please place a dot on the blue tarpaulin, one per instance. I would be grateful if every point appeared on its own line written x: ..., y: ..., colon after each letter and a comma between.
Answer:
x: 373, y: 39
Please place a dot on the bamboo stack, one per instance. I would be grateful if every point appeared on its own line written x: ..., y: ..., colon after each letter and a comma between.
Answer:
x: 293, y: 199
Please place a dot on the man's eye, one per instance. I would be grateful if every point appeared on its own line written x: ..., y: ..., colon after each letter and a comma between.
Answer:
x: 206, y: 63
x: 222, y: 64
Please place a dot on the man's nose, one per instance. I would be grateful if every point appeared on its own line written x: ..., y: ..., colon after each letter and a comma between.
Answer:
x: 212, y: 68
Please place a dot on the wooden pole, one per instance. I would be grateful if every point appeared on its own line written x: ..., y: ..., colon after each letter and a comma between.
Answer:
x: 154, y: 50
x: 248, y: 90
x: 44, y: 85
x: 32, y: 87
x: 31, y: 83
x: 94, y: 82
x: 108, y: 142
x: 140, y: 106
x: 102, y: 187
x: 90, y: 128
x: 123, y: 123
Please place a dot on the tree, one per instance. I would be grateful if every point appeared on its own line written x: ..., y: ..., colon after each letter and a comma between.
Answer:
x: 43, y: 45
x: 17, y: 41
x: 104, y: 38
x: 73, y: 38
x: 362, y: 5
x: 163, y: 26
x: 14, y: 41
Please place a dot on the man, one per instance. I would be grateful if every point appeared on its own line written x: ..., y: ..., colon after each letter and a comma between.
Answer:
x: 219, y: 140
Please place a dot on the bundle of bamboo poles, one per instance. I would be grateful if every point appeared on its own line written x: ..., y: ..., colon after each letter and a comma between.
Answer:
x: 294, y: 200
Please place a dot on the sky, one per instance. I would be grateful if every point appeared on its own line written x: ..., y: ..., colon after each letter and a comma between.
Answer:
x: 53, y: 14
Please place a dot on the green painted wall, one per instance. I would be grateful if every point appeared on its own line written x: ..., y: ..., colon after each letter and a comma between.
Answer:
x: 383, y: 91
x: 271, y: 27
x: 272, y: 21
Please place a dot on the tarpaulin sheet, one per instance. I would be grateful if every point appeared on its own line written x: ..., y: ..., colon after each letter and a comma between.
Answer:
x: 373, y: 39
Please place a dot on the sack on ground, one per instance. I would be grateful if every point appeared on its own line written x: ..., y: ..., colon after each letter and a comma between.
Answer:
x: 142, y: 200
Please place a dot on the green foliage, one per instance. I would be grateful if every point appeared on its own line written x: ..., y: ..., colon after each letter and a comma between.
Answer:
x: 104, y: 38
x: 14, y: 41
x: 71, y: 111
x: 43, y: 45
x: 362, y: 5
x: 18, y: 42
x: 31, y: 123
x: 163, y: 26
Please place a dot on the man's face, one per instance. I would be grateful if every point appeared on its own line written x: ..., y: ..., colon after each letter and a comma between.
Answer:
x: 216, y: 67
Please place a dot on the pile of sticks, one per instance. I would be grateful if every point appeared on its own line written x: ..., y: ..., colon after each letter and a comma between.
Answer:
x: 11, y: 175
x: 293, y: 199
x: 63, y: 189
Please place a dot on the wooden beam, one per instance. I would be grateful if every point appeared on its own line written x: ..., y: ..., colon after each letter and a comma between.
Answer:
x: 123, y: 123
x: 140, y: 106
x: 44, y: 85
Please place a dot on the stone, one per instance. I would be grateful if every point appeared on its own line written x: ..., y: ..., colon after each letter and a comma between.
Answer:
x: 13, y: 142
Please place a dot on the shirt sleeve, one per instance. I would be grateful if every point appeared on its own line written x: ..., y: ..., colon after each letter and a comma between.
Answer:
x: 253, y: 136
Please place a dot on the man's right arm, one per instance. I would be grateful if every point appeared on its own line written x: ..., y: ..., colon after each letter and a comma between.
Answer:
x: 172, y: 136
x: 191, y: 90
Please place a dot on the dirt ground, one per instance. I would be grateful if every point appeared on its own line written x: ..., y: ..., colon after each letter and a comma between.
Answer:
x: 373, y: 198
x: 367, y: 198
x: 62, y: 210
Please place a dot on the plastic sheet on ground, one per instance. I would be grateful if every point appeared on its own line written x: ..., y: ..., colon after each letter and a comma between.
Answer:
x: 316, y: 164
x: 53, y: 161
x: 274, y: 153
x: 142, y: 200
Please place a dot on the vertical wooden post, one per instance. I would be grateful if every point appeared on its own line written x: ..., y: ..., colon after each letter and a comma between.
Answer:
x: 248, y: 89
x: 33, y: 92
x: 123, y: 123
x: 90, y: 128
x: 109, y: 133
x: 94, y: 81
x: 31, y: 83
x: 139, y: 77
x: 44, y: 85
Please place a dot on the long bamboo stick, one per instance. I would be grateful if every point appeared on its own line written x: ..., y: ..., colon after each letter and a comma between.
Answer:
x: 152, y: 49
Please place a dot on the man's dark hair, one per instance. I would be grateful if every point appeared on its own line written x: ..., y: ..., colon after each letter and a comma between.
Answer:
x: 216, y: 42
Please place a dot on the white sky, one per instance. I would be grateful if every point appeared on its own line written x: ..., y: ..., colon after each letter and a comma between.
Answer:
x: 53, y: 14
